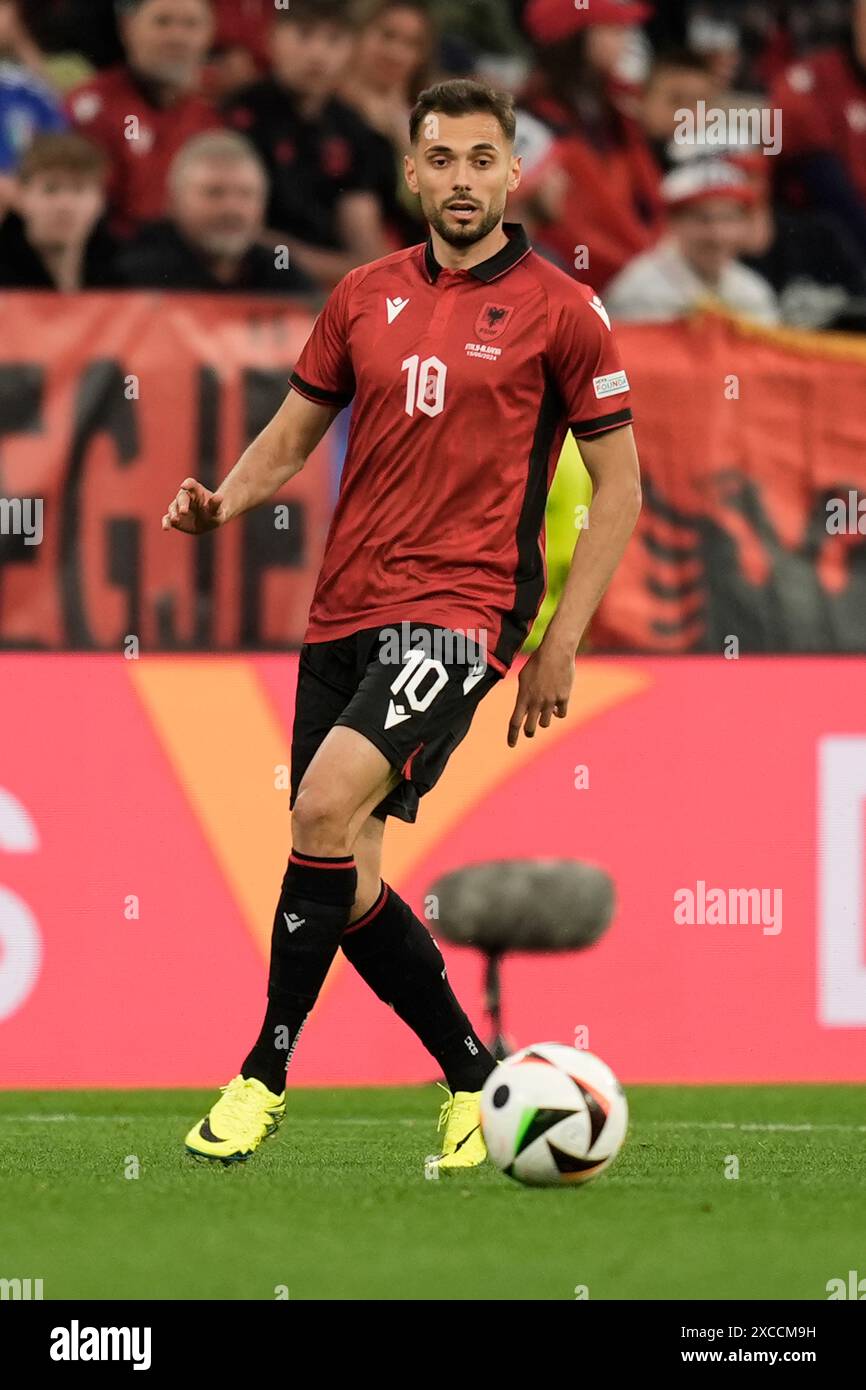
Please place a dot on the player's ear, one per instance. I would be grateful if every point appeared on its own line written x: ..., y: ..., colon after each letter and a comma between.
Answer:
x: 516, y: 176
x: 410, y: 174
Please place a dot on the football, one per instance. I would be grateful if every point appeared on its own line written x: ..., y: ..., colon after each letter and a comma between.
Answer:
x: 553, y: 1115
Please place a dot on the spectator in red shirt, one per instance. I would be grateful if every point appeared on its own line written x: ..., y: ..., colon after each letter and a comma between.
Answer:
x: 612, y: 210
x: 143, y: 112
x: 823, y: 103
x: 240, y: 44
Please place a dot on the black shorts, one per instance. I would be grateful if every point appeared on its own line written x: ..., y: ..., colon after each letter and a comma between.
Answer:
x: 413, y: 698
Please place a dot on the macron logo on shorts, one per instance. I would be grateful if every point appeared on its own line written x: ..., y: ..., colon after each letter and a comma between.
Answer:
x: 397, y: 714
x: 476, y: 673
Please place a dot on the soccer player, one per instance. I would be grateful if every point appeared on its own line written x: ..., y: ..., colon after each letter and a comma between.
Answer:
x: 468, y: 358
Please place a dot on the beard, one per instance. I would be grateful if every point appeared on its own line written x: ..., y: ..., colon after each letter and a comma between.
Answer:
x: 456, y: 235
x: 233, y: 245
x: 182, y: 75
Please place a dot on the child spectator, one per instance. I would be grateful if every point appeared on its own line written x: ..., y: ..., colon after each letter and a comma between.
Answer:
x: 677, y: 82
x: 696, y: 265
x: 55, y: 240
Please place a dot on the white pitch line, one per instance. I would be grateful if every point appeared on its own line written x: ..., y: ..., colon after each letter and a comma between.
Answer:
x: 128, y: 1119
x: 299, y: 1120
x: 758, y: 1128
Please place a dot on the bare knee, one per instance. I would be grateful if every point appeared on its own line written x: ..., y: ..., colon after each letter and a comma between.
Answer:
x: 320, y: 822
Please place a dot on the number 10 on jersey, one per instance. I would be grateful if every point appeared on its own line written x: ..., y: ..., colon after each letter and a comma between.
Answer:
x: 425, y: 388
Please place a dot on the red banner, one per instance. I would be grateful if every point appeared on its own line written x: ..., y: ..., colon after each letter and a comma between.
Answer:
x: 753, y: 452
x: 106, y: 403
x: 144, y: 831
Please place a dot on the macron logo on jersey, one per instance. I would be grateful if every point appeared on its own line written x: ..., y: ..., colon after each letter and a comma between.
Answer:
x: 599, y: 308
x: 395, y: 308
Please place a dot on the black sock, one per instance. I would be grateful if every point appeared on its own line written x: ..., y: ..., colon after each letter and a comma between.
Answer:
x: 402, y: 964
x: 312, y: 913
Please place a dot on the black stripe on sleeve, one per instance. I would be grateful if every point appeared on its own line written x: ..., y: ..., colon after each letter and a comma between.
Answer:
x: 317, y: 393
x: 584, y: 429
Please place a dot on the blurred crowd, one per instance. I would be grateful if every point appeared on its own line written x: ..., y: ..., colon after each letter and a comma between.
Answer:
x: 695, y: 152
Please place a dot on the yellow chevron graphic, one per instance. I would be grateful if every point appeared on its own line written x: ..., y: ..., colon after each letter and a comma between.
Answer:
x: 224, y: 741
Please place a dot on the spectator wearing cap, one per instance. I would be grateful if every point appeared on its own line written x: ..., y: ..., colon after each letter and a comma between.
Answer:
x: 144, y: 111
x: 696, y: 266
x: 211, y: 239
x: 719, y: 41
x: 612, y: 206
x: 241, y: 39
x: 325, y: 163
x: 56, y: 240
x: 242, y: 43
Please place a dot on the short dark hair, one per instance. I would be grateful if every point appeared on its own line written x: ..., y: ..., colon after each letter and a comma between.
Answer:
x: 464, y: 97
x: 126, y: 7
x: 341, y: 12
x: 678, y: 60
x: 64, y: 152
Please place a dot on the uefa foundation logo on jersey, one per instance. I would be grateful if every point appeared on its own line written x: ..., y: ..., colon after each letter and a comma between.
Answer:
x: 493, y: 321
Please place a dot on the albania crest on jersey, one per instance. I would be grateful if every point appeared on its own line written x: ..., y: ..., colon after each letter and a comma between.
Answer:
x: 492, y: 322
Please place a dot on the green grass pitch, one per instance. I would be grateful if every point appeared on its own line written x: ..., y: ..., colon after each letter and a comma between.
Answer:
x: 336, y: 1207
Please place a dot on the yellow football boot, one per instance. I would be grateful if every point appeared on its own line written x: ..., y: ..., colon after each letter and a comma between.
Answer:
x: 245, y: 1114
x: 463, y: 1145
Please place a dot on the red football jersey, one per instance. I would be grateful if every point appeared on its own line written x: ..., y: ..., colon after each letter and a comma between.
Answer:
x: 141, y: 151
x: 465, y: 383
